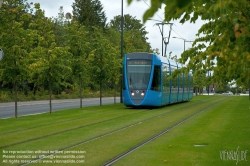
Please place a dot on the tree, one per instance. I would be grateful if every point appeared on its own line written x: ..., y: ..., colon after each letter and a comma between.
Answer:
x: 201, y: 80
x: 89, y: 13
x: 16, y: 40
x: 48, y: 62
x: 222, y: 87
x: 80, y: 49
x: 114, y: 38
x: 58, y: 27
x: 226, y: 33
x: 1, y: 2
x: 103, y: 60
x: 134, y: 33
x: 130, y: 23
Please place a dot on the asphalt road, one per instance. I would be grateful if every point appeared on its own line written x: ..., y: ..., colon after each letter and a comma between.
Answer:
x: 7, y: 110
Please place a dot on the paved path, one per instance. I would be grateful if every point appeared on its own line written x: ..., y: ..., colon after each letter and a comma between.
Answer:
x: 7, y: 110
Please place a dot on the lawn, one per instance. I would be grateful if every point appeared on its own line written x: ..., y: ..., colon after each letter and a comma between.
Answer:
x: 209, y: 138
x: 218, y: 136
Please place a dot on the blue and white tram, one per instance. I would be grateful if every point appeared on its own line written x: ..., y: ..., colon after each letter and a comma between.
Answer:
x: 146, y: 81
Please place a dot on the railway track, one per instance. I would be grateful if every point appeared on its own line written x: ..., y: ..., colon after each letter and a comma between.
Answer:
x: 75, y: 128
x: 124, y: 128
x: 63, y: 131
x: 117, y: 158
x: 43, y: 125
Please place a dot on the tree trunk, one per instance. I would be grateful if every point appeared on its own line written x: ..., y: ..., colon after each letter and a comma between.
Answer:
x: 15, y: 92
x: 249, y: 93
x: 80, y: 81
x: 50, y: 95
x: 100, y: 92
x: 249, y: 89
x: 114, y: 94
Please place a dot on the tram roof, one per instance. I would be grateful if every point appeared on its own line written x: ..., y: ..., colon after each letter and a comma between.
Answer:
x: 161, y: 58
x: 168, y: 61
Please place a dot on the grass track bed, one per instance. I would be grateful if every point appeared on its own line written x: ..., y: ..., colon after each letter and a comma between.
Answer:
x: 129, y: 138
x: 100, y: 150
x: 68, y: 124
x: 54, y: 118
x: 223, y: 128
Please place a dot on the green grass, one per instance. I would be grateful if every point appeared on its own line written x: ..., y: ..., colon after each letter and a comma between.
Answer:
x: 222, y: 127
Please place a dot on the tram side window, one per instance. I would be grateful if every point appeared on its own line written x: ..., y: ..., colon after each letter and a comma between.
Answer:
x: 165, y: 80
x: 174, y: 80
x: 191, y: 82
x: 180, y: 82
x: 186, y: 83
x: 156, y: 83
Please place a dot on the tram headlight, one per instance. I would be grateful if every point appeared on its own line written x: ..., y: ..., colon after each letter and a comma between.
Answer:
x: 132, y: 93
x: 143, y: 93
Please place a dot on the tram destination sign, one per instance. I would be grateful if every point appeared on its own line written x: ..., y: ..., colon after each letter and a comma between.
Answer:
x: 139, y: 62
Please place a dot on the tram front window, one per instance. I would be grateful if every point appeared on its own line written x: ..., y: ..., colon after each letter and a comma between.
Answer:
x: 138, y: 73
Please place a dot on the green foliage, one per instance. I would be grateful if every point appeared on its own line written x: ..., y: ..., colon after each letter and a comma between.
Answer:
x: 89, y: 13
x: 14, y: 42
x: 221, y: 88
x: 199, y: 80
x: 135, y: 39
x: 104, y: 59
x: 59, y: 28
x: 60, y: 55
x: 222, y: 43
x: 48, y: 61
x: 80, y: 48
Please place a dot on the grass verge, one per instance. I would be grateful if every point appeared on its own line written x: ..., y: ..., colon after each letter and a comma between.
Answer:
x: 219, y: 136
x: 62, y: 129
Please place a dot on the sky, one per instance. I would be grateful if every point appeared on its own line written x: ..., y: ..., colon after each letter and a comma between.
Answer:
x: 112, y: 8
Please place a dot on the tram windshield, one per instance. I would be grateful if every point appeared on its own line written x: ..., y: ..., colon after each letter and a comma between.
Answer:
x: 138, y: 74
